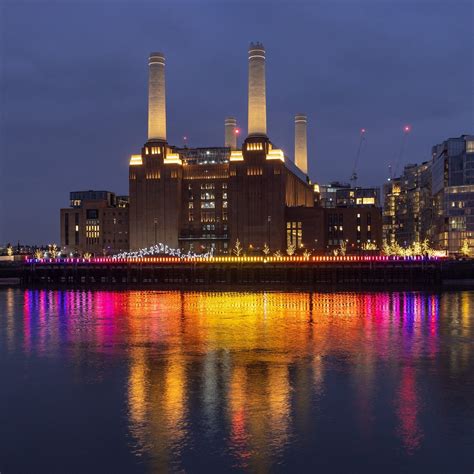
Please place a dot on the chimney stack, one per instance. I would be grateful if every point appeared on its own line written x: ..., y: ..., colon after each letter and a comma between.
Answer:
x: 156, y: 97
x: 301, y: 147
x: 231, y: 133
x: 257, y: 119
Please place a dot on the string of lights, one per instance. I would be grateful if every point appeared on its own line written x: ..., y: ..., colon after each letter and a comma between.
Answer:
x: 162, y: 249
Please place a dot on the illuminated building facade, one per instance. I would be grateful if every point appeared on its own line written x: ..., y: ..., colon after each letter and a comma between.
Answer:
x: 338, y: 194
x: 434, y: 200
x: 96, y: 223
x: 452, y: 173
x: 391, y: 193
x: 408, y: 206
x: 211, y: 198
x: 205, y: 198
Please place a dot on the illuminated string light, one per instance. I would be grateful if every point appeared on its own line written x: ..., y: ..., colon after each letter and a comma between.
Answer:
x: 162, y: 249
x: 152, y: 255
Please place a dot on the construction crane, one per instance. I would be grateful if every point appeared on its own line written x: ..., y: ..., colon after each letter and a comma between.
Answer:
x: 353, y: 178
x: 406, y: 131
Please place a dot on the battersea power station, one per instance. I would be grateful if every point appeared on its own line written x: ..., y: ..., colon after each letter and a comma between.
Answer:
x: 216, y: 198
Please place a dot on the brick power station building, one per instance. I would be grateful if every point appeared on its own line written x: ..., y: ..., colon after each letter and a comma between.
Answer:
x: 209, y: 198
x: 203, y: 198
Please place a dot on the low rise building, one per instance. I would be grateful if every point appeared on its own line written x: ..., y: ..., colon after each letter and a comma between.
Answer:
x: 96, y: 223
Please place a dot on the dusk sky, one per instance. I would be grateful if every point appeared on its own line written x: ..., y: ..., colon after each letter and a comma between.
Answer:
x: 74, y: 87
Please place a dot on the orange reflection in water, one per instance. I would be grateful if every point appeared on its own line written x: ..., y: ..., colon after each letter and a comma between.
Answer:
x: 265, y: 335
x: 261, y: 356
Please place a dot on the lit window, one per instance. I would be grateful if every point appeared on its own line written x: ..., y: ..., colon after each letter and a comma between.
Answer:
x: 470, y: 147
x: 294, y: 234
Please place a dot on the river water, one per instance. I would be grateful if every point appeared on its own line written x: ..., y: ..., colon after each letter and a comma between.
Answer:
x: 159, y: 381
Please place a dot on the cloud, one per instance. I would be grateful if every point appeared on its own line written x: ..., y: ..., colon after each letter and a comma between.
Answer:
x: 74, y: 87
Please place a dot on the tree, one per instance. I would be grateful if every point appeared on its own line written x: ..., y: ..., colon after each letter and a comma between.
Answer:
x: 306, y: 254
x: 426, y: 248
x: 277, y: 254
x: 386, y: 248
x: 9, y: 250
x: 416, y: 248
x: 291, y: 249
x: 369, y: 246
x: 465, y: 250
x: 237, y: 250
x: 87, y: 255
x: 38, y: 253
x: 266, y: 249
x: 342, y: 248
x: 397, y: 249
x: 53, y: 250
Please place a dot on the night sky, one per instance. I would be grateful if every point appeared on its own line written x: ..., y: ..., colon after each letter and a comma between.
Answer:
x: 74, y: 87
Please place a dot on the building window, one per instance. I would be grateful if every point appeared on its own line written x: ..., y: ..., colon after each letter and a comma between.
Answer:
x: 224, y: 204
x: 92, y: 214
x: 76, y: 233
x: 208, y: 216
x: 208, y: 205
x: 92, y: 231
x: 254, y: 171
x: 470, y: 146
x: 153, y: 175
x: 190, y: 216
x: 254, y: 146
x: 294, y: 234
x: 153, y: 150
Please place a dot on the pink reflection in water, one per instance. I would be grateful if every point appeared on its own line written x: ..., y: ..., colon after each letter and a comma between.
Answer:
x: 408, y: 408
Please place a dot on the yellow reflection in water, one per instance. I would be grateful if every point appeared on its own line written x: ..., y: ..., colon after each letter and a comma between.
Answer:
x: 254, y: 364
x: 250, y: 343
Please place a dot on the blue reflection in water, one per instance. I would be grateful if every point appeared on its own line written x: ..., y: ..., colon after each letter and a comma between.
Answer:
x: 261, y: 381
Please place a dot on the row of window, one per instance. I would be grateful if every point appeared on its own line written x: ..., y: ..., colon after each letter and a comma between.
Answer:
x: 294, y: 234
x: 207, y: 186
x: 207, y: 216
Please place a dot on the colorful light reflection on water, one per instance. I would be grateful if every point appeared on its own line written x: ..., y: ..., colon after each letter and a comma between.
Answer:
x: 200, y: 381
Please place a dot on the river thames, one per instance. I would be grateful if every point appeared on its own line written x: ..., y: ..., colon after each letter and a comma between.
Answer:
x: 156, y: 381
